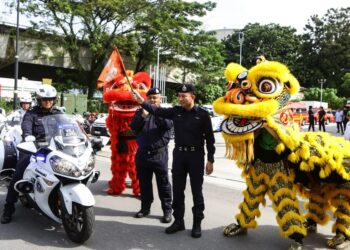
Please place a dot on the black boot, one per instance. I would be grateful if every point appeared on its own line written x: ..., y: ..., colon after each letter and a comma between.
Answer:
x: 178, y: 225
x: 196, y: 229
x: 166, y: 217
x: 142, y: 213
x: 6, y: 216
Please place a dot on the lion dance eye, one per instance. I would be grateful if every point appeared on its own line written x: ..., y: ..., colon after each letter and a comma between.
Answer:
x: 246, y: 85
x: 267, y: 86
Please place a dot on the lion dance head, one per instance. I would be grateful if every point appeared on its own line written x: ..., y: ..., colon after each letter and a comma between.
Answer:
x: 253, y: 97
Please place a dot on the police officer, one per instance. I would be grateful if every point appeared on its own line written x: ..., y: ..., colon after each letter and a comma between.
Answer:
x: 153, y: 135
x: 33, y: 129
x: 25, y: 102
x: 192, y: 127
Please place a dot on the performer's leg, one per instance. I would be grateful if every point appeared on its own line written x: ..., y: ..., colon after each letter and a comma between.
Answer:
x: 117, y: 183
x: 283, y: 196
x: 317, y: 208
x: 342, y: 214
x: 253, y: 196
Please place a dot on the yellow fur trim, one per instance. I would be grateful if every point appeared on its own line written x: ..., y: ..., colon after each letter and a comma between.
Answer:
x: 317, y: 219
x: 315, y: 207
x: 286, y: 192
x: 232, y: 71
x: 243, y: 224
x: 287, y: 217
x: 275, y: 70
x: 253, y: 200
x: 261, y: 109
x: 255, y: 191
x: 286, y: 202
x: 341, y: 228
x: 340, y: 215
x: 283, y: 177
x: 280, y: 148
x: 293, y: 229
x: 250, y: 213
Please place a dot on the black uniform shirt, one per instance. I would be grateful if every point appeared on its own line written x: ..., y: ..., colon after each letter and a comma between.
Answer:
x: 191, y: 127
x: 32, y: 122
x: 152, y: 132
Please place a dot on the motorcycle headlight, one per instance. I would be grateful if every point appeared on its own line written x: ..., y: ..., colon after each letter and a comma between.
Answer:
x: 89, y: 165
x: 64, y: 167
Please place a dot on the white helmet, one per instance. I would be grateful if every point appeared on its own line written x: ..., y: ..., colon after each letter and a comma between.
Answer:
x: 25, y: 99
x: 46, y: 91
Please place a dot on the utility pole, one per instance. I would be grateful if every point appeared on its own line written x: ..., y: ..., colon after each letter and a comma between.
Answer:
x: 240, y: 40
x: 16, y: 61
x: 321, y: 81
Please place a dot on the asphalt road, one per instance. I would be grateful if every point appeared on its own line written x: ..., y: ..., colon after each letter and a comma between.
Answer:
x: 116, y: 228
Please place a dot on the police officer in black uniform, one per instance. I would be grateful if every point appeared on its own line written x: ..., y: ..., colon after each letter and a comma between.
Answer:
x: 153, y: 135
x: 192, y: 126
x: 32, y: 129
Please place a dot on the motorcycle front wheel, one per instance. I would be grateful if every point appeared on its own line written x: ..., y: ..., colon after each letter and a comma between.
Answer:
x: 79, y: 225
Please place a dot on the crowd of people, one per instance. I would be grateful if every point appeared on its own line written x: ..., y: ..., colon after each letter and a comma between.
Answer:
x: 342, y: 116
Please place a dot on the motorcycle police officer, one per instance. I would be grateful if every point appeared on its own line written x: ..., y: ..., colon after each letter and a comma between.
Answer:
x: 33, y: 129
x: 192, y: 127
x: 152, y: 135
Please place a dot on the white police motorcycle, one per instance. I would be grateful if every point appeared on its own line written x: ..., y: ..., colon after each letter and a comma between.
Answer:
x: 57, y: 178
x: 10, y: 136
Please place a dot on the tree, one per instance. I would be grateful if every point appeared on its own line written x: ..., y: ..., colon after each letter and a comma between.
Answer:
x: 275, y: 42
x: 136, y: 27
x: 329, y: 95
x: 345, y: 87
x: 207, y: 94
x: 325, y: 48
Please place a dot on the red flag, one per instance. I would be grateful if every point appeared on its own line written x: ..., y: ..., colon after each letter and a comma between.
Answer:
x: 113, y: 67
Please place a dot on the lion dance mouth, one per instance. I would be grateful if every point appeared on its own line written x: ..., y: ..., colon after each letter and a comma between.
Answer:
x: 240, y: 125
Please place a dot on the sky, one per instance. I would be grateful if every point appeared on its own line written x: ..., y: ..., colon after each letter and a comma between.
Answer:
x: 235, y: 14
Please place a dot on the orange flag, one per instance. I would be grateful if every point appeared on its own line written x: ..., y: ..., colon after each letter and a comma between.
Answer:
x: 113, y: 67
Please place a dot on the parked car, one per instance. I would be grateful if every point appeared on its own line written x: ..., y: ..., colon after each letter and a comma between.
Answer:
x: 99, y: 127
x: 299, y: 112
x: 216, y: 119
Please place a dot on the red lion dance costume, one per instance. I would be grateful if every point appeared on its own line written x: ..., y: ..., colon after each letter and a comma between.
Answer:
x: 120, y: 112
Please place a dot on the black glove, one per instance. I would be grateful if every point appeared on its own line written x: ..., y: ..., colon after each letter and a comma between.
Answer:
x: 122, y: 147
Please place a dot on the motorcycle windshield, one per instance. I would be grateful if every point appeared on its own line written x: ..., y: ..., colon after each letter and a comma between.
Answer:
x: 66, y: 134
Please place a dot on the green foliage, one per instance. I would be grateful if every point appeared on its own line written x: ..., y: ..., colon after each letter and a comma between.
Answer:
x: 87, y: 31
x: 325, y: 50
x: 8, y: 106
x: 345, y: 87
x: 275, y: 42
x: 171, y: 96
x: 97, y: 106
x: 329, y: 95
x: 208, y: 93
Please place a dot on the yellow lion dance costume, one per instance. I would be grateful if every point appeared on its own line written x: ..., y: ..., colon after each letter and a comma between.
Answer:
x: 279, y: 160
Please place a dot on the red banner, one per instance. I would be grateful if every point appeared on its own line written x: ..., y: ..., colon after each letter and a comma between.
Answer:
x: 113, y: 67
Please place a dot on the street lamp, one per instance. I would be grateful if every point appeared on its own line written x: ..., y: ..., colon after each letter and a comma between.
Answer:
x: 240, y: 40
x: 321, y: 81
x: 16, y: 60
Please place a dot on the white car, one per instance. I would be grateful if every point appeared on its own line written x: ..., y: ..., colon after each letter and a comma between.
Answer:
x: 99, y: 127
x: 216, y: 119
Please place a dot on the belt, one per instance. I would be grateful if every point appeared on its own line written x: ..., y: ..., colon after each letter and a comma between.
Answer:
x: 188, y: 148
x: 153, y: 151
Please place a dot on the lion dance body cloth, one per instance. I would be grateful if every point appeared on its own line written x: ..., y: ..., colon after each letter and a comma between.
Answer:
x: 120, y: 113
x: 279, y: 160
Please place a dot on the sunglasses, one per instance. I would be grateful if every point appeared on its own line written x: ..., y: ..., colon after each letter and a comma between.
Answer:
x: 47, y: 99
